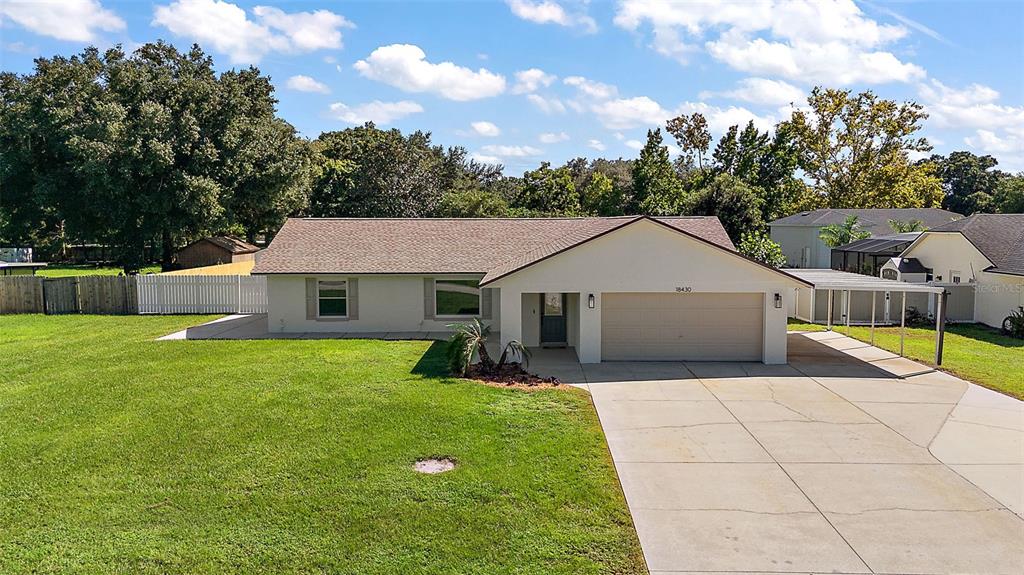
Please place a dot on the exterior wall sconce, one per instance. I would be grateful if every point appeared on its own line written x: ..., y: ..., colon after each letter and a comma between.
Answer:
x: 778, y: 301
x: 591, y: 303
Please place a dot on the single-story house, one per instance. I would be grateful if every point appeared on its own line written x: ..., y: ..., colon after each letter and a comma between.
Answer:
x: 867, y: 256
x: 214, y: 250
x: 798, y: 233
x: 980, y: 259
x: 619, y: 288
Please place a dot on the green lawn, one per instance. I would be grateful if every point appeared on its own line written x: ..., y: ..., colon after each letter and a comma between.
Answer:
x: 119, y: 454
x: 68, y: 270
x: 971, y: 351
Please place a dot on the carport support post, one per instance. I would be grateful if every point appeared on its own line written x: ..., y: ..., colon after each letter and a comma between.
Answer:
x: 903, y: 321
x: 940, y: 325
x: 874, y: 296
x: 828, y: 319
x: 847, y: 313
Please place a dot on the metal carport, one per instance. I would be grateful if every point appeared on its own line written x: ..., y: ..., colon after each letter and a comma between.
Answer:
x: 833, y: 280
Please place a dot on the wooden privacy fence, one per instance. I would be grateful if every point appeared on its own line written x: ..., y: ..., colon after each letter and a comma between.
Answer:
x: 171, y: 294
x: 82, y: 294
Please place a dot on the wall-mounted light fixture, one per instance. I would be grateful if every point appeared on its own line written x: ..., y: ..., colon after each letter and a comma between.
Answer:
x: 778, y: 301
x: 591, y: 302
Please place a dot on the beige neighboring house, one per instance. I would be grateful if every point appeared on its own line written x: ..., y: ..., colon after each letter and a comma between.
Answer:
x: 980, y: 259
x: 624, y: 288
x: 797, y: 234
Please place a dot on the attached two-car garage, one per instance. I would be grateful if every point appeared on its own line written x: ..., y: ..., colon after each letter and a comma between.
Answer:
x: 682, y: 326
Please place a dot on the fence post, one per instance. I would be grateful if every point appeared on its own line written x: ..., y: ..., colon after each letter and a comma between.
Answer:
x: 238, y: 301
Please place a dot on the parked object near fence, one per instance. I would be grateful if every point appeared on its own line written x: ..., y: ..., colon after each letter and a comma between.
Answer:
x: 172, y: 294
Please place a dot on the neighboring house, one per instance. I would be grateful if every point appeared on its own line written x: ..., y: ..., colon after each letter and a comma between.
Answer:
x: 20, y: 268
x: 798, y: 234
x: 979, y: 258
x: 625, y: 288
x: 214, y: 250
x: 867, y: 256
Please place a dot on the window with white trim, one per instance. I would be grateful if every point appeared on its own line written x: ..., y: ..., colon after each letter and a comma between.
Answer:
x: 954, y: 276
x: 456, y: 298
x: 332, y: 298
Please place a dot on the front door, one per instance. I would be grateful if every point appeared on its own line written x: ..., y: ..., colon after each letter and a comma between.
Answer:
x: 552, y: 320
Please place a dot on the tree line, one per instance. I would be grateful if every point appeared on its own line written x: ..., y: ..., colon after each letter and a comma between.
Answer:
x: 153, y: 149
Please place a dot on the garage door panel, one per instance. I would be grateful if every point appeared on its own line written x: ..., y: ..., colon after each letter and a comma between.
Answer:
x: 682, y: 327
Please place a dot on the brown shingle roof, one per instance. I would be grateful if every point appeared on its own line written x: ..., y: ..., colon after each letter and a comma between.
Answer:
x: 999, y: 237
x: 231, y: 244
x: 440, y: 245
x: 872, y: 220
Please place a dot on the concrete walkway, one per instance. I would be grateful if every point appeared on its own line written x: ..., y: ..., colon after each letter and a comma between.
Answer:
x: 849, y: 460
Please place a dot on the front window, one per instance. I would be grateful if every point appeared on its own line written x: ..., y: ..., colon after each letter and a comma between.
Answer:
x: 332, y: 298
x: 889, y: 274
x: 455, y: 298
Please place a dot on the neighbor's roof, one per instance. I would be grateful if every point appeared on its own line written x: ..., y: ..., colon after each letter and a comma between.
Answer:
x: 231, y: 244
x: 999, y: 237
x: 909, y: 265
x: 875, y: 221
x: 894, y: 243
x: 442, y: 245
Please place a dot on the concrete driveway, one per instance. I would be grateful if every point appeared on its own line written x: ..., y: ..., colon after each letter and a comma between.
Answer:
x: 848, y: 460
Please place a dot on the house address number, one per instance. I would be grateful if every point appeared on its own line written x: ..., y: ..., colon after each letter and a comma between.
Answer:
x: 684, y: 289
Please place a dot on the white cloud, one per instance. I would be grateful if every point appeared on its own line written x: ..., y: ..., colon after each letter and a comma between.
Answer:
x: 405, y: 67
x: 481, y: 128
x: 625, y: 113
x: 974, y: 107
x: 306, y: 31
x: 597, y: 145
x: 511, y: 151
x: 72, y: 20
x: 991, y: 143
x: 375, y: 111
x: 761, y: 91
x: 634, y: 145
x: 553, y: 137
x: 551, y: 12
x: 485, y: 159
x: 531, y: 80
x: 227, y: 29
x: 814, y: 41
x: 302, y: 83
x: 546, y: 105
x: 590, y: 88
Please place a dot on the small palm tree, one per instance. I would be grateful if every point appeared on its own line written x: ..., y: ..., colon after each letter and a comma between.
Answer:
x: 901, y: 227
x: 835, y: 235
x: 471, y: 338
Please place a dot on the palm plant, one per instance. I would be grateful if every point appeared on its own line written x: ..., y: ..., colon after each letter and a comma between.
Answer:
x: 471, y: 338
x: 835, y: 235
x: 901, y: 227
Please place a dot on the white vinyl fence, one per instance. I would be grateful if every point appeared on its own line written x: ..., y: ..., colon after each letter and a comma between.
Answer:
x: 167, y: 294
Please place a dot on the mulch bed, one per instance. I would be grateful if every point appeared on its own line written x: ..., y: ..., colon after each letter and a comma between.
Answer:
x: 511, y: 375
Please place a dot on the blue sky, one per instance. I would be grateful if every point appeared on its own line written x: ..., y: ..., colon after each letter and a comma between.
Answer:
x: 525, y: 81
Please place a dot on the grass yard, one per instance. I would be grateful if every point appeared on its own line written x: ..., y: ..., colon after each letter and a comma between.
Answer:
x: 971, y: 351
x: 68, y: 270
x: 119, y: 454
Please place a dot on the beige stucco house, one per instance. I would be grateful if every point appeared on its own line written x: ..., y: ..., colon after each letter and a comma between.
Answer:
x: 624, y: 288
x: 798, y: 234
x: 980, y: 259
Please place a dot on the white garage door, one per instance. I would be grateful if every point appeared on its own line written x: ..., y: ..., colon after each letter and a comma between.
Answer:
x: 682, y: 326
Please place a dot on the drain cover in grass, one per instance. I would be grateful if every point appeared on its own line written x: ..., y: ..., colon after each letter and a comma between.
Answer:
x: 433, y: 466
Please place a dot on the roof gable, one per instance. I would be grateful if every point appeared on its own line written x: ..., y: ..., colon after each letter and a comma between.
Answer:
x: 998, y: 237
x: 568, y: 243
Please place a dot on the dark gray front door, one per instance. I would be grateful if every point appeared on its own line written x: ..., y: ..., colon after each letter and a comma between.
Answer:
x: 552, y: 320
